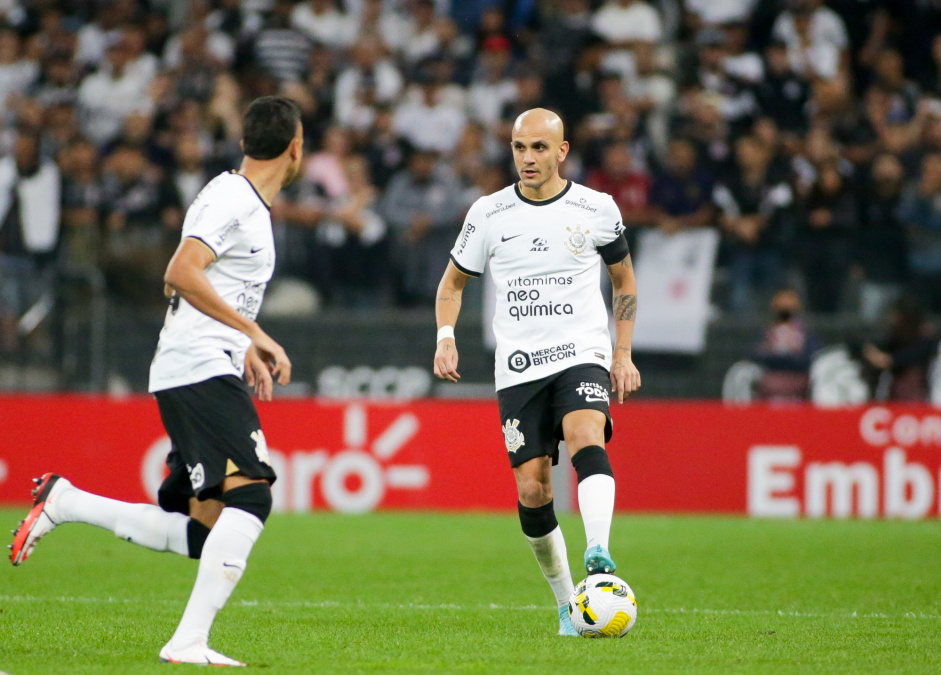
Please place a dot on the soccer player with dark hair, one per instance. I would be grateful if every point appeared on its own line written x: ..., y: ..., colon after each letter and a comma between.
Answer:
x: 544, y: 239
x: 214, y: 503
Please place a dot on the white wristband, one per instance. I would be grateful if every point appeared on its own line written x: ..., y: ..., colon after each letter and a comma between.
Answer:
x: 445, y: 332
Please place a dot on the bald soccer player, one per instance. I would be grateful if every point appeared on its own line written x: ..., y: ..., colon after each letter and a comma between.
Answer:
x: 544, y: 239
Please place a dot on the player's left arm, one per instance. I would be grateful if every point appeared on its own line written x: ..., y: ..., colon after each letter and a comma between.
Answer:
x: 625, y: 377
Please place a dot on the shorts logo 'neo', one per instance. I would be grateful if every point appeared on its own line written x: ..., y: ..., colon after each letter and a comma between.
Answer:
x: 261, y: 447
x: 512, y: 436
x: 519, y: 361
x: 577, y: 241
x: 197, y: 476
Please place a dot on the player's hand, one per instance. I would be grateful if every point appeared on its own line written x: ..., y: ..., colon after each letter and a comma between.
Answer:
x: 446, y: 360
x: 273, y: 355
x: 625, y: 378
x: 258, y: 375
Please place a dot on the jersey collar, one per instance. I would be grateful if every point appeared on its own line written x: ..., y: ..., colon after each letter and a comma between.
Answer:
x: 544, y: 202
x: 257, y: 193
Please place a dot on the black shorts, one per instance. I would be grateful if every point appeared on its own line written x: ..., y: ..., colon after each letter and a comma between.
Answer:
x: 214, y: 432
x: 532, y: 412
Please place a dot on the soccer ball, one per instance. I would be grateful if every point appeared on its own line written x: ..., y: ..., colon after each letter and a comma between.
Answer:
x: 603, y: 605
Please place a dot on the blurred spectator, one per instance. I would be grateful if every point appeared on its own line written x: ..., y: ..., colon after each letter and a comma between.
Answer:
x: 629, y: 186
x: 430, y: 121
x: 17, y: 73
x: 423, y: 40
x: 189, y: 171
x: 422, y: 207
x: 755, y: 205
x: 828, y: 224
x: 491, y: 88
x: 323, y: 23
x: 730, y: 82
x: 906, y: 353
x: 94, y: 37
x: 386, y: 150
x: 565, y: 30
x: 119, y: 88
x: 368, y: 80
x: 783, y: 94
x: 921, y: 212
x: 816, y: 37
x: 30, y: 192
x: 901, y: 92
x: 280, y: 50
x: 58, y: 83
x: 718, y: 12
x: 624, y: 23
x: 785, y: 351
x: 213, y: 43
x: 882, y: 245
x: 142, y: 216
x: 357, y: 270
x: 325, y: 168
x: 651, y: 94
x: 81, y: 204
x: 529, y: 92
x: 681, y: 196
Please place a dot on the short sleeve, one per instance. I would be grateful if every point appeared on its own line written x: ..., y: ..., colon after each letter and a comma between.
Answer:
x: 610, y: 240
x: 213, y: 222
x: 469, y: 254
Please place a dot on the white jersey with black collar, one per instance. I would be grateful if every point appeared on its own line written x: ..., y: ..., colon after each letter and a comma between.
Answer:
x: 234, y: 222
x: 544, y: 258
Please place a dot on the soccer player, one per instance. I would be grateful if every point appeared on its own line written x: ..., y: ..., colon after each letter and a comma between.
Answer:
x: 544, y: 239
x: 214, y: 503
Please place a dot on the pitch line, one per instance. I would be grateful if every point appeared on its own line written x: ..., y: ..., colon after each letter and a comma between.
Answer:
x: 796, y: 614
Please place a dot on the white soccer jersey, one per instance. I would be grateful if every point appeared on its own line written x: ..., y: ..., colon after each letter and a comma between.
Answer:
x: 544, y: 258
x: 232, y: 219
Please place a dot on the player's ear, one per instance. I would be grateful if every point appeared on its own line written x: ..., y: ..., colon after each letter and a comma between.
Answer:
x: 242, y: 146
x: 563, y: 150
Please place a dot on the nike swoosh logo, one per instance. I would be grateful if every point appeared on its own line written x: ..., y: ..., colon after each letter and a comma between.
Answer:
x: 508, y: 238
x: 256, y: 250
x: 592, y: 399
x: 225, y: 564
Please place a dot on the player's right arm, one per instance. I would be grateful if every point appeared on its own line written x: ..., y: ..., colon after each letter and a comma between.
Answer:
x: 186, y: 276
x: 467, y: 260
x: 447, y: 309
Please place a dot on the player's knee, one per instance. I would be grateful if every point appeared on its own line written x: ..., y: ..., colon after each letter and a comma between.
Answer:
x: 253, y: 498
x: 591, y: 461
x: 172, y: 501
x: 539, y: 521
x: 533, y: 492
x: 584, y: 436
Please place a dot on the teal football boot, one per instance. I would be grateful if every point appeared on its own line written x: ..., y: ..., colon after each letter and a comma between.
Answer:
x: 598, y: 561
x: 565, y: 622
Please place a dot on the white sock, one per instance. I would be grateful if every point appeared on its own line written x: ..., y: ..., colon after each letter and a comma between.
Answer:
x: 553, y: 561
x: 596, y: 503
x: 225, y: 555
x: 142, y: 524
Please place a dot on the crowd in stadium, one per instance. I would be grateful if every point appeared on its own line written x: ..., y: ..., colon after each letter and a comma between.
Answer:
x: 807, y: 132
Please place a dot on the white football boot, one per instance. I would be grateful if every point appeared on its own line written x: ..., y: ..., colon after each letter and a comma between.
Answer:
x: 41, y: 519
x: 199, y: 654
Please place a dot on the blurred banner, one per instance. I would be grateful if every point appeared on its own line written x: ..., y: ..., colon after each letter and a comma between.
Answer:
x: 794, y: 461
x: 674, y: 276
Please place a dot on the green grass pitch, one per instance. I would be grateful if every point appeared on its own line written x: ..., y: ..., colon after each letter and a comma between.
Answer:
x: 453, y: 593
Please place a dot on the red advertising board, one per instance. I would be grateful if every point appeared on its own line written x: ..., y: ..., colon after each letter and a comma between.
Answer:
x: 353, y: 457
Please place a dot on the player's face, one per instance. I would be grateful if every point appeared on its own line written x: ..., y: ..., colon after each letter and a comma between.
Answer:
x: 537, y: 156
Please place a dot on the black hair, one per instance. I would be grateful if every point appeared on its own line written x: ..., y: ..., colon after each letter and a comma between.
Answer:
x: 269, y: 126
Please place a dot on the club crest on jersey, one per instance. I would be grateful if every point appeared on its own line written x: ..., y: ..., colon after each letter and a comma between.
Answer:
x: 512, y: 436
x: 261, y: 447
x: 577, y: 241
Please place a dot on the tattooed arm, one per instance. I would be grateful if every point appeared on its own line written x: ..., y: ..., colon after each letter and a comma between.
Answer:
x: 624, y: 375
x: 447, y: 309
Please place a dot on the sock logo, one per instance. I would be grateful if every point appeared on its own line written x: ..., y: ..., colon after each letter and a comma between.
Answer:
x: 512, y: 436
x: 197, y: 475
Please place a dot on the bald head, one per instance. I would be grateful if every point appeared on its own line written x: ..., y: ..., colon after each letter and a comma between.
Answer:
x: 540, y: 122
x: 539, y: 146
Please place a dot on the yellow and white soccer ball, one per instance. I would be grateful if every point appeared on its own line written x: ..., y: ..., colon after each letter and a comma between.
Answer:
x: 603, y: 605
